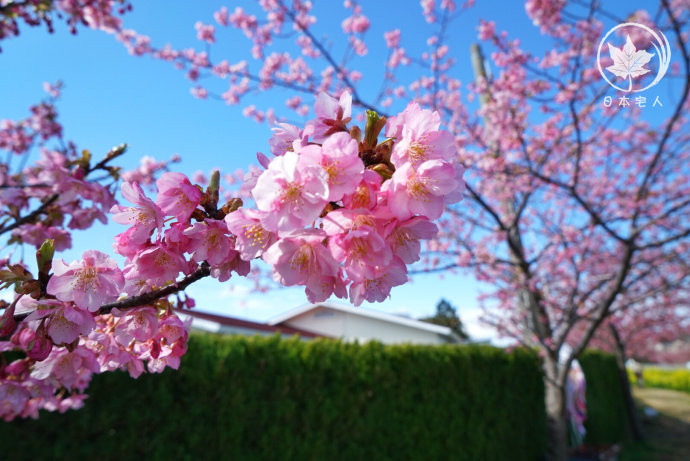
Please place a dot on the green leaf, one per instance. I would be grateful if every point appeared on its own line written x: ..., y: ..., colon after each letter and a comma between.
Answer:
x: 44, y: 256
x: 373, y: 127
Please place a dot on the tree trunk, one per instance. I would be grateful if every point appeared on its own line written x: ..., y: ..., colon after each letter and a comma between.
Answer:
x: 556, y: 421
x: 621, y: 358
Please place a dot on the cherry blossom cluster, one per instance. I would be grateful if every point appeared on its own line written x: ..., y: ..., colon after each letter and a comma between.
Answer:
x: 314, y: 68
x: 368, y: 204
x: 68, y: 335
x: 65, y: 344
x: 336, y: 210
x: 57, y: 193
x: 96, y: 14
x: 42, y: 205
x: 649, y: 331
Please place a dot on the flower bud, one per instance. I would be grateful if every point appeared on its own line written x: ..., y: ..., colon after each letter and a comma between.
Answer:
x: 383, y: 170
x: 356, y: 133
x: 233, y: 204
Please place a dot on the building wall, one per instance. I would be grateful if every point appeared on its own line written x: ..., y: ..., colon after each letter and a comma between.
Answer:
x: 351, y: 327
x: 202, y: 324
x: 215, y: 327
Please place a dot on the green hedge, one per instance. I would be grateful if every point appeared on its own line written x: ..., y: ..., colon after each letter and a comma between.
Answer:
x: 267, y: 398
x: 606, y: 414
x: 678, y: 379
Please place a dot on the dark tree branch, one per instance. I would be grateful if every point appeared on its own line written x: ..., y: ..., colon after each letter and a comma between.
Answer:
x: 101, y: 165
x: 340, y: 72
x: 676, y: 114
x: 605, y: 305
x: 31, y: 216
x: 486, y: 206
x: 203, y: 270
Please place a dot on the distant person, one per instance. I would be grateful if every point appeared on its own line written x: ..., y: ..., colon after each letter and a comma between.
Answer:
x: 636, y: 368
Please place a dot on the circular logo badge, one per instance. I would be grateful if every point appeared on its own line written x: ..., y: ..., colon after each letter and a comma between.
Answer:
x: 630, y: 63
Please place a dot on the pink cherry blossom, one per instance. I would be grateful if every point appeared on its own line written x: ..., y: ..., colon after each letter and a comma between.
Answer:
x: 33, y: 340
x: 148, y: 167
x: 139, y: 324
x: 169, y: 345
x: 168, y: 357
x: 354, y: 240
x: 422, y: 191
x: 331, y: 113
x: 13, y: 398
x: 175, y: 238
x: 221, y: 16
x: 377, y: 287
x: 205, y: 32
x: 339, y: 157
x: 403, y: 237
x: 233, y: 263
x: 157, y: 265
x: 111, y: 355
x: 177, y: 196
x: 392, y: 38
x: 36, y: 234
x: 321, y: 288
x: 425, y: 122
x: 365, y: 194
x: 301, y: 258
x: 417, y: 147
x: 73, y: 402
x: 355, y: 24
x: 570, y: 202
x: 420, y: 138
x: 284, y: 135
x: 199, y: 92
x: 69, y: 369
x: 94, y: 280
x: 486, y: 29
x: 209, y: 241
x: 127, y: 246
x: 361, y: 250
x: 143, y: 218
x: 251, y: 238
x: 291, y: 193
x: 65, y: 322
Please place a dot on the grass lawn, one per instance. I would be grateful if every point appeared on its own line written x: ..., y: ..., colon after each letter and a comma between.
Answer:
x: 668, y: 434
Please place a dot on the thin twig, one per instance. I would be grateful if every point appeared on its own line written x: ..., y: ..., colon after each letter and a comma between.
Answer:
x: 31, y: 216
x: 203, y: 270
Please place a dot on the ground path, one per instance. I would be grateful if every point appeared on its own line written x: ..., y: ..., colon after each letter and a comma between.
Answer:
x: 668, y: 433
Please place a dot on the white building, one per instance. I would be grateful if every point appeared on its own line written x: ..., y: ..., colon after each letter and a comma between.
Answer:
x: 357, y: 324
x: 213, y: 323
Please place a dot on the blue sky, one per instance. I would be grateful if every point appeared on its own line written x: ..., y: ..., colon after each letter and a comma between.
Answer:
x: 111, y: 97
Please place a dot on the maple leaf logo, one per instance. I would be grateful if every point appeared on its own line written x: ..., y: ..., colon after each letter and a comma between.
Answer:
x: 628, y: 63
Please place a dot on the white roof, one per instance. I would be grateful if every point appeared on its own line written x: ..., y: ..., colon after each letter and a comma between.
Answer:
x: 418, y: 324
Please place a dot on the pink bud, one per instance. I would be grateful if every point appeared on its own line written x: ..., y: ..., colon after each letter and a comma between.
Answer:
x: 263, y: 160
x: 18, y: 367
x: 40, y: 347
x: 7, y: 322
x: 155, y: 349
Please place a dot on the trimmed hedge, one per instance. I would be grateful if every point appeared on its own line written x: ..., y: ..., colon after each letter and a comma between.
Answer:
x: 678, y: 379
x: 606, y: 414
x: 268, y: 398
